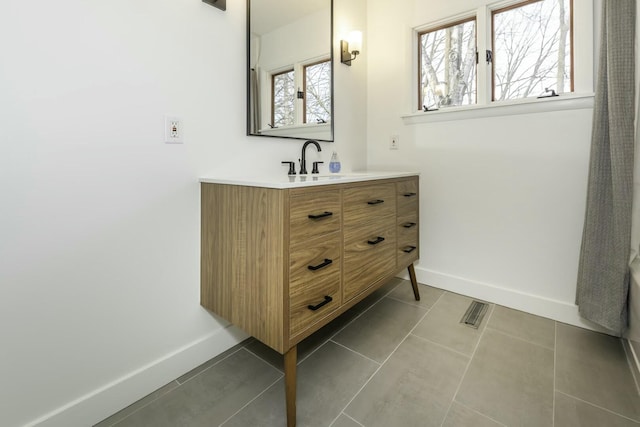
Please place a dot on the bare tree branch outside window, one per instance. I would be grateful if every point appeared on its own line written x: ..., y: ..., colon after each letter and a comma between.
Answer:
x: 448, y: 65
x: 317, y: 82
x: 284, y: 96
x: 532, y: 52
x: 532, y: 49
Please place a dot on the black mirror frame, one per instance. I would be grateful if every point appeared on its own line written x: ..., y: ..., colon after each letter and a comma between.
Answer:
x: 248, y: 81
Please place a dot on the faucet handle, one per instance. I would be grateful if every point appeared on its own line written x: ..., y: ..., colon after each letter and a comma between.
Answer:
x: 315, y: 167
x: 292, y: 167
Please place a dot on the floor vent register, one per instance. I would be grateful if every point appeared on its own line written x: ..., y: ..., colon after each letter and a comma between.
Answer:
x: 474, y: 314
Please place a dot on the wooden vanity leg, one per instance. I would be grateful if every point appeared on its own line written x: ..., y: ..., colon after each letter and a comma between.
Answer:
x: 414, y: 282
x: 290, y: 360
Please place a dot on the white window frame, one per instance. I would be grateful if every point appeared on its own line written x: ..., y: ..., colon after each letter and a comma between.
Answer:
x: 266, y: 93
x: 584, y: 44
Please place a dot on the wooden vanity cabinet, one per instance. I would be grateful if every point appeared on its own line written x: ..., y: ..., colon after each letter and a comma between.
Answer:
x: 282, y: 263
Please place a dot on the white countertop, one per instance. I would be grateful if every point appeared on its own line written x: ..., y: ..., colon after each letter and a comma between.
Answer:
x: 297, y: 181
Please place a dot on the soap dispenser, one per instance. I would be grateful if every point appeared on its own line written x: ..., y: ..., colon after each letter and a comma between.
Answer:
x: 334, y: 164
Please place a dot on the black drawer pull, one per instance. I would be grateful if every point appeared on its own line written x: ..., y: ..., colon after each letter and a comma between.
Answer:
x: 375, y: 242
x: 326, y: 262
x: 375, y: 202
x: 327, y: 300
x: 322, y: 215
x: 409, y: 224
x: 409, y: 194
x: 408, y: 249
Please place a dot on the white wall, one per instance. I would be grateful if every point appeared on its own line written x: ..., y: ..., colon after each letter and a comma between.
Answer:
x: 287, y: 45
x: 502, y: 198
x: 99, y: 219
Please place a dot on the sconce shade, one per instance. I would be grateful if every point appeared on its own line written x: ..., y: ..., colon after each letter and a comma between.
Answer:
x: 351, y: 47
x: 355, y: 41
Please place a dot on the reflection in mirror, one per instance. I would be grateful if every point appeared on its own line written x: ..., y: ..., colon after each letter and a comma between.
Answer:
x: 290, y: 75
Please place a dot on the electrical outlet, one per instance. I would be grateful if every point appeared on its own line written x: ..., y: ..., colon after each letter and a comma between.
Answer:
x: 394, y: 142
x: 173, y: 131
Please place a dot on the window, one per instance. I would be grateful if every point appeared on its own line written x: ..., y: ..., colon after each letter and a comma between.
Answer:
x: 291, y: 105
x: 529, y: 53
x: 283, y: 99
x: 448, y: 65
x: 317, y: 89
x: 532, y: 49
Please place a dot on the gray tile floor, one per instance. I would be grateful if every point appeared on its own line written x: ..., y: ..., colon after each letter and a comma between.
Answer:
x: 393, y: 361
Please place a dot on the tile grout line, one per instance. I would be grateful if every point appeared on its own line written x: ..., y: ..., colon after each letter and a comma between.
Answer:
x: 481, y: 414
x: 359, y: 315
x: 353, y: 419
x: 179, y: 384
x: 467, y: 356
x: 466, y: 369
x: 145, y: 405
x: 208, y: 367
x: 575, y: 397
x: 265, y: 360
x: 404, y: 302
x: 251, y: 401
x: 337, y: 332
x: 523, y: 339
x: 354, y: 352
x: 599, y: 407
x: 385, y: 360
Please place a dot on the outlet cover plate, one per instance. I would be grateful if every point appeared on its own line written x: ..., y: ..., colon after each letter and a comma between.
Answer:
x: 173, y: 130
x: 394, y: 142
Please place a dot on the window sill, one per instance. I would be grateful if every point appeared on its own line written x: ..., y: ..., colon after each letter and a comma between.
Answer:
x: 310, y: 131
x: 571, y: 101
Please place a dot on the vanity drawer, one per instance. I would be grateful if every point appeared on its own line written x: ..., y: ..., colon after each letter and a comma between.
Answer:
x: 314, y: 278
x: 313, y: 214
x: 365, y: 204
x: 407, y: 193
x: 378, y: 226
x: 365, y: 262
x: 407, y: 239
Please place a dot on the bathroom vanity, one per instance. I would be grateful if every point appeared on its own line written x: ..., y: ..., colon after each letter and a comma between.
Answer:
x: 282, y: 257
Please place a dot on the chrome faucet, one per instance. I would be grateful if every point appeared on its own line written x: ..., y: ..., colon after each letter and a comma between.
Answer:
x: 303, y: 162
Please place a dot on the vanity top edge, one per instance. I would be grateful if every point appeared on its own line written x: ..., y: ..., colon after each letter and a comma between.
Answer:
x: 297, y: 181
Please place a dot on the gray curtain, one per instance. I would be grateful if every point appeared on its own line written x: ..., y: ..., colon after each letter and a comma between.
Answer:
x: 254, y: 100
x: 603, y: 276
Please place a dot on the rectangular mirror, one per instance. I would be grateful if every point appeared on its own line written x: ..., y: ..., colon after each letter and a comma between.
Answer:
x: 290, y: 69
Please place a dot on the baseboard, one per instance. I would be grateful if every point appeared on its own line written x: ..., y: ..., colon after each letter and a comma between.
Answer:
x: 535, y: 304
x: 111, y: 398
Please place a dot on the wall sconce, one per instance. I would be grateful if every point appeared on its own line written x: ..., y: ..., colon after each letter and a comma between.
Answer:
x: 220, y: 4
x: 351, y: 47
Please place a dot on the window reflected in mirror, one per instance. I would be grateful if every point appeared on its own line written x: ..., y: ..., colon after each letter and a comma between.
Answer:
x: 317, y: 92
x: 283, y: 106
